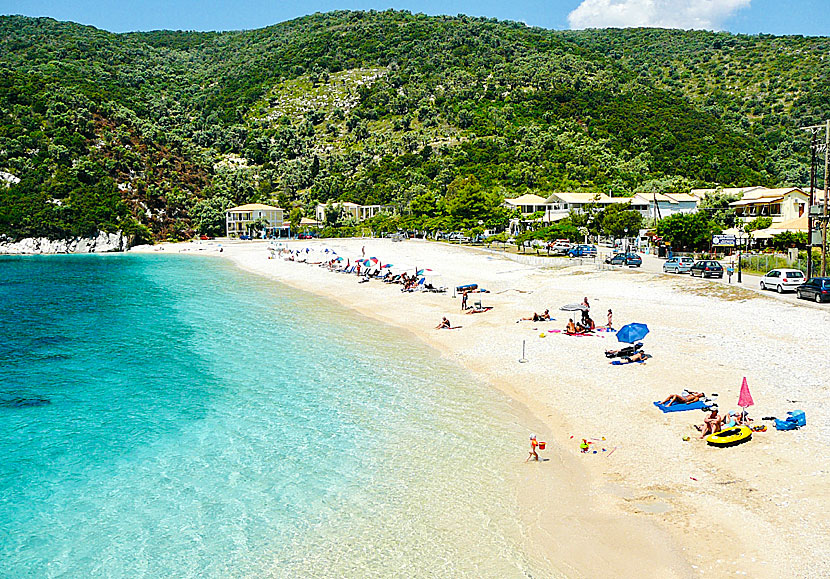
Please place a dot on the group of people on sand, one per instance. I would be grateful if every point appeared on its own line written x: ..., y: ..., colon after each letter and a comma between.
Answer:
x: 586, y: 324
x: 361, y: 268
x: 715, y: 422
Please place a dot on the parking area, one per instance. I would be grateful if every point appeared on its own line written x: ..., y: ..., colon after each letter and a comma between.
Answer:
x: 748, y: 281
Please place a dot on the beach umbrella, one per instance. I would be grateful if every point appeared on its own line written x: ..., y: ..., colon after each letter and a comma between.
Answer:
x: 631, y: 333
x: 745, y: 398
x: 574, y: 308
x: 421, y: 271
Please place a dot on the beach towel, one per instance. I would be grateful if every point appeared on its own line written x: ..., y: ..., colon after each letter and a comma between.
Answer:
x: 700, y: 404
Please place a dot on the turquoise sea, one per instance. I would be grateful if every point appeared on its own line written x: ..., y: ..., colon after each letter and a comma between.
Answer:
x: 172, y: 416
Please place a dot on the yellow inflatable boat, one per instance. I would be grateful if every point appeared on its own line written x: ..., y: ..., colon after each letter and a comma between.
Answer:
x: 730, y: 436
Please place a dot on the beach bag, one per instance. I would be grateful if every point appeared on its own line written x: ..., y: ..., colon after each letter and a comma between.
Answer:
x: 785, y: 425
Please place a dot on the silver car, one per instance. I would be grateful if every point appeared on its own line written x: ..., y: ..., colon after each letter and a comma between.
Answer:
x: 678, y: 265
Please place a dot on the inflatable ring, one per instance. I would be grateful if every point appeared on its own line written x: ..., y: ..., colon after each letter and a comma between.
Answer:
x: 730, y: 436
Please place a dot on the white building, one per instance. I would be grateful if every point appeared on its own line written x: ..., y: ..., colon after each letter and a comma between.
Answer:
x: 238, y: 220
x: 662, y: 205
x: 781, y: 205
x: 348, y: 209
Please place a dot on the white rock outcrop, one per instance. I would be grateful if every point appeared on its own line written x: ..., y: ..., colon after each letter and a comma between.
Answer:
x: 102, y: 243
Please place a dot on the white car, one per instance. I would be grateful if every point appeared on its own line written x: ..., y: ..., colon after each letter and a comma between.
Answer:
x: 560, y: 246
x: 782, y: 280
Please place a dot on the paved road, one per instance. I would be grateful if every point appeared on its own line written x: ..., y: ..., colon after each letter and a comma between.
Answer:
x: 749, y: 282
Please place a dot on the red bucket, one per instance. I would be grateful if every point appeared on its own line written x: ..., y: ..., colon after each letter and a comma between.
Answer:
x: 541, y: 446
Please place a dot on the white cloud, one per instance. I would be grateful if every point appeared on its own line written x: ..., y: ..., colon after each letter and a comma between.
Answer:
x: 701, y: 14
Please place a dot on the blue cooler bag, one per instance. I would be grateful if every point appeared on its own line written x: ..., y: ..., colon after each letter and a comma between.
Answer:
x: 798, y: 417
x: 785, y: 425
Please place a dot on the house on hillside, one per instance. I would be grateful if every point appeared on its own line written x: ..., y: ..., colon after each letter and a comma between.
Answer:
x: 567, y: 202
x: 352, y: 210
x: 527, y: 204
x: 240, y: 220
x: 782, y: 205
x: 661, y: 205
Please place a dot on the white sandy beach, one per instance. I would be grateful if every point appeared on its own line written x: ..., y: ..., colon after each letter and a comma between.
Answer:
x: 657, y: 505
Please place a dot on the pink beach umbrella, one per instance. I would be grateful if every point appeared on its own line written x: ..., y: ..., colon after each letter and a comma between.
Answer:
x: 745, y: 398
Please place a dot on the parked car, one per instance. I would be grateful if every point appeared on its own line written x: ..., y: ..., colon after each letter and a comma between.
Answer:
x: 582, y: 251
x: 706, y: 268
x: 204, y: 237
x: 561, y: 246
x: 629, y: 259
x: 245, y: 237
x: 816, y: 288
x: 782, y: 280
x: 678, y: 265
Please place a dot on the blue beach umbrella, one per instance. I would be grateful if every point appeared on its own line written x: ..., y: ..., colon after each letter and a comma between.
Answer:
x: 631, y: 333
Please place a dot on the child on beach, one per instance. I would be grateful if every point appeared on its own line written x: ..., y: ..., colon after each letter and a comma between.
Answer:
x: 610, y: 317
x: 533, y: 444
x: 444, y: 325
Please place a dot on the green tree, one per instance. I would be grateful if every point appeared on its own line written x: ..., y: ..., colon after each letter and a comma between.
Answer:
x: 618, y: 219
x: 687, y: 230
x: 758, y: 223
x: 295, y: 217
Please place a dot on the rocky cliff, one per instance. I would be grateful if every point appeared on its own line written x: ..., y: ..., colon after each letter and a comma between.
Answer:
x: 102, y: 243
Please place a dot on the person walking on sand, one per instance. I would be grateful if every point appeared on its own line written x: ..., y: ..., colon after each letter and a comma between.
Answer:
x: 533, y: 444
x: 610, y: 320
x: 363, y: 251
x: 463, y: 301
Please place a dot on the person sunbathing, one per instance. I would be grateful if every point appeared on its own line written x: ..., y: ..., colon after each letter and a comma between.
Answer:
x: 676, y: 398
x: 444, y: 325
x: 638, y: 357
x: 538, y: 317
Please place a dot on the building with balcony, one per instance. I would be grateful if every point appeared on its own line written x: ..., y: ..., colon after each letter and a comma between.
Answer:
x: 352, y: 210
x: 241, y: 220
x: 782, y: 205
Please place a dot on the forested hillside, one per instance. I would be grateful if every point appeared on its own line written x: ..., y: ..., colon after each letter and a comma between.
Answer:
x: 157, y: 133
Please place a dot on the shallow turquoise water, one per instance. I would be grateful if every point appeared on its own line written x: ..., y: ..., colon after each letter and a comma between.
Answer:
x: 204, y: 422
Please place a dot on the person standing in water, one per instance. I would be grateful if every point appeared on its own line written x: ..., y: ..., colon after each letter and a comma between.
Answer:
x: 533, y: 444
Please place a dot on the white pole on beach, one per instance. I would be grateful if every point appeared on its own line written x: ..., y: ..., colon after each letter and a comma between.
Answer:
x: 523, y: 359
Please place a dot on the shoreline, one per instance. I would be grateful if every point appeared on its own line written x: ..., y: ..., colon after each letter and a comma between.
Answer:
x: 617, y: 518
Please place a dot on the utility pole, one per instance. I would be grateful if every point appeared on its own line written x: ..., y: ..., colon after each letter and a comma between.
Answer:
x: 813, y: 179
x: 810, y: 205
x: 824, y: 213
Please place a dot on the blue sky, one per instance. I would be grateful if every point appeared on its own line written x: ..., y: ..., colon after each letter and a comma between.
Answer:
x: 807, y: 17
